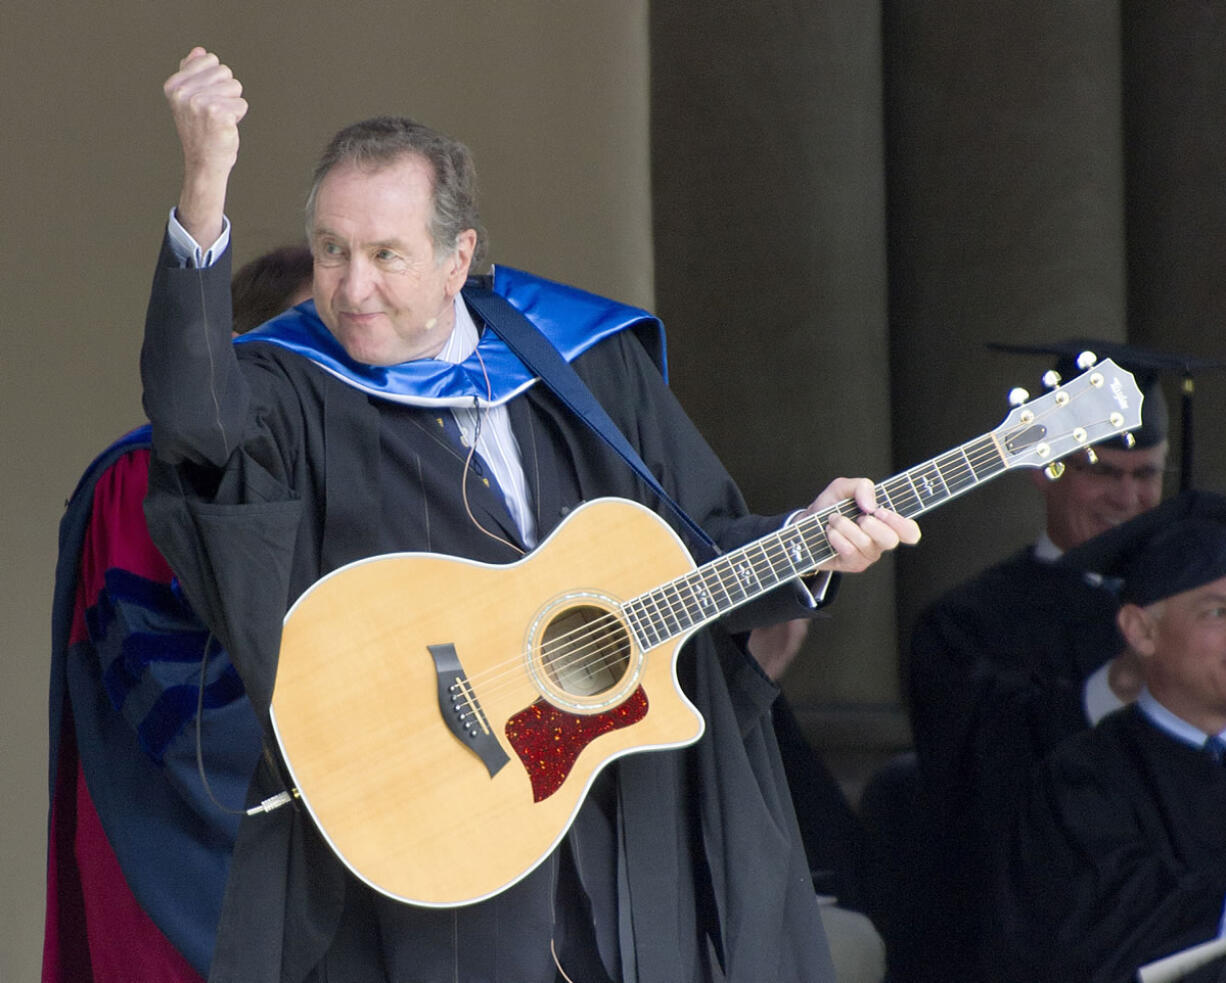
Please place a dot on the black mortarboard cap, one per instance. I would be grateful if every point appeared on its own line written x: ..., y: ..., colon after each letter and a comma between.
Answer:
x: 1146, y: 366
x: 1176, y: 546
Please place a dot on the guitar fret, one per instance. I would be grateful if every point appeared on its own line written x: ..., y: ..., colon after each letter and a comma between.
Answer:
x: 949, y: 475
x: 746, y: 576
x: 711, y: 579
x: 955, y: 475
x: 815, y: 539
x: 658, y: 621
x: 789, y: 567
x: 972, y: 478
x: 657, y: 612
x: 990, y: 462
x: 777, y: 555
x: 649, y: 635
x: 797, y: 550
x: 681, y: 605
x: 731, y: 583
x: 702, y: 604
x: 672, y: 624
x: 931, y: 488
x: 632, y: 619
x: 772, y: 575
x: 901, y: 491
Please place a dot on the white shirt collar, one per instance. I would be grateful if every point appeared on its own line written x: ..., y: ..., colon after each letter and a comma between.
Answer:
x: 1046, y: 550
x: 464, y: 335
x: 1177, y: 727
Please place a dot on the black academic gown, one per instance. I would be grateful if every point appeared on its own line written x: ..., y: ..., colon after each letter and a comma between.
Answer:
x: 995, y: 682
x: 1118, y: 857
x: 268, y: 473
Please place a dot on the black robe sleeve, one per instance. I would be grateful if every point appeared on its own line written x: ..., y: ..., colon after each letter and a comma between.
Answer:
x: 1118, y: 857
x: 219, y: 475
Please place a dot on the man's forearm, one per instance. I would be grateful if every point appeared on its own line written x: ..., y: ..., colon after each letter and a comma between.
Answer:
x: 194, y: 394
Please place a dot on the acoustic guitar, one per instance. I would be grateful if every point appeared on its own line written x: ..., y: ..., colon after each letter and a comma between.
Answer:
x: 443, y: 719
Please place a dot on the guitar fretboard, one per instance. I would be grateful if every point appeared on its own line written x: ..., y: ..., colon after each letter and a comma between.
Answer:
x: 738, y: 577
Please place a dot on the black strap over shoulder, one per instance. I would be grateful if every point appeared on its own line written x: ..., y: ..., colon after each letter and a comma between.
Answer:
x: 532, y: 348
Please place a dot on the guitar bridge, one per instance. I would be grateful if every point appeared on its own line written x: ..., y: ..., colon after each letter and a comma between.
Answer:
x: 461, y: 710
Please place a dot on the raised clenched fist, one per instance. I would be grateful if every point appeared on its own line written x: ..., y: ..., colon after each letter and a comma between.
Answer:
x: 207, y: 103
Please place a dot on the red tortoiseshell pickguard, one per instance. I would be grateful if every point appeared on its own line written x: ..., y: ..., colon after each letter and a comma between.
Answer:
x: 548, y: 740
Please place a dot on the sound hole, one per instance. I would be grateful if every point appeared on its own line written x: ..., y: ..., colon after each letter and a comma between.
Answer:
x: 585, y: 650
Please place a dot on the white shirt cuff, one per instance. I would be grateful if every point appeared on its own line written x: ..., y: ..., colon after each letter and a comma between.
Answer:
x: 188, y: 250
x: 815, y: 584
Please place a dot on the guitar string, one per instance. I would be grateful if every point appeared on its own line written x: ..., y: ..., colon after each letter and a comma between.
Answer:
x: 600, y: 644
x: 598, y: 635
x: 602, y: 630
x: 606, y: 645
x: 586, y: 646
x: 667, y: 596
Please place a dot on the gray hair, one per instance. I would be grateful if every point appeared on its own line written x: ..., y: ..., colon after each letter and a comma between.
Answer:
x: 382, y: 141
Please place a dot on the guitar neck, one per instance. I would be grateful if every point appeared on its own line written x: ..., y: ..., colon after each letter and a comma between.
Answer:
x: 745, y: 574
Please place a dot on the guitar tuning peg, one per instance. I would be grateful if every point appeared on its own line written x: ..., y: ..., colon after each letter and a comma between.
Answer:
x: 1054, y: 470
x: 1129, y: 441
x: 1086, y: 359
x: 1091, y: 457
x: 1017, y: 396
x: 1051, y: 378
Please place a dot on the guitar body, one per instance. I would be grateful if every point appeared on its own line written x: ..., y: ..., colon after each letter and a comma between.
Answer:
x: 443, y: 719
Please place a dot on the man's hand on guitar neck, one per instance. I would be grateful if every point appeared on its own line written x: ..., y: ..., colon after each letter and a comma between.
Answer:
x: 860, y: 543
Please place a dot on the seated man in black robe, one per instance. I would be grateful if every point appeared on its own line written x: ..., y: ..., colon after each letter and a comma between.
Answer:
x: 1118, y: 856
x: 390, y: 416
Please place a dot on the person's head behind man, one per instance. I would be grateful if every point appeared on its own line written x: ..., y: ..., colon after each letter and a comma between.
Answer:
x: 1123, y: 480
x: 1171, y: 564
x: 269, y: 284
x: 1090, y: 498
x: 393, y: 226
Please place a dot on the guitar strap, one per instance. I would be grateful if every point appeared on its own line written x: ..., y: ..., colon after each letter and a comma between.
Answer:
x: 532, y: 348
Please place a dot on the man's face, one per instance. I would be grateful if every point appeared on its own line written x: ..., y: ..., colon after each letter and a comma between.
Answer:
x: 378, y: 286
x: 1186, y: 654
x: 1092, y: 498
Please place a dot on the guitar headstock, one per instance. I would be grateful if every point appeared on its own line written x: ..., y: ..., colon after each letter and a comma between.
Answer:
x: 1101, y: 403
